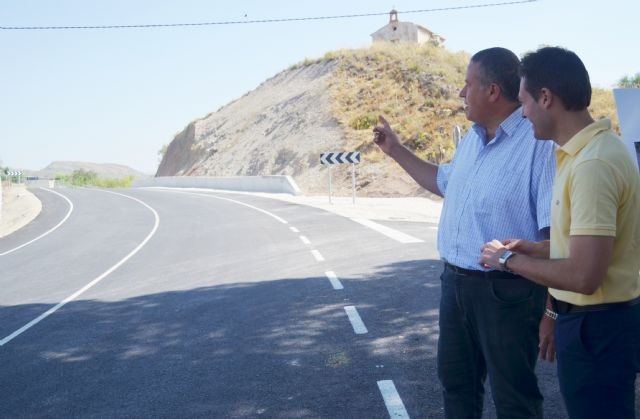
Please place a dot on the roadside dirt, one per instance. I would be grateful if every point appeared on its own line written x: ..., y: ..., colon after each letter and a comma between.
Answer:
x: 19, y: 208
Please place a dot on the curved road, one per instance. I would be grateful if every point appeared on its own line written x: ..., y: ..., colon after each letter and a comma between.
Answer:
x: 165, y: 303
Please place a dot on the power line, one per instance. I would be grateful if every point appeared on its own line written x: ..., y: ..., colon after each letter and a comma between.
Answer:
x: 244, y: 22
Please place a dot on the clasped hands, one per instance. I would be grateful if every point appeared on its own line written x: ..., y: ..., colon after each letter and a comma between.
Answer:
x: 491, y: 252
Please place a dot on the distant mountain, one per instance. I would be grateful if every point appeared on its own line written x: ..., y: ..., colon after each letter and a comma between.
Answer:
x: 104, y: 170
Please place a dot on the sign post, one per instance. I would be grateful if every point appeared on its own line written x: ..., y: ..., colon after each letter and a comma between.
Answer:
x: 332, y: 158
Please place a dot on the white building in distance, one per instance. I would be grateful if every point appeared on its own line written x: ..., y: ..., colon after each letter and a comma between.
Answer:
x: 396, y: 31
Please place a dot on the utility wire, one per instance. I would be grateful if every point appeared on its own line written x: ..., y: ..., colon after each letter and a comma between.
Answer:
x: 244, y: 22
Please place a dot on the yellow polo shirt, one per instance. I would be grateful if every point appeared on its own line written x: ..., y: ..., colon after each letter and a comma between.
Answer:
x: 596, y: 192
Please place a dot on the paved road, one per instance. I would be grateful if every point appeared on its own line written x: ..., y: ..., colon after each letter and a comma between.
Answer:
x: 158, y: 303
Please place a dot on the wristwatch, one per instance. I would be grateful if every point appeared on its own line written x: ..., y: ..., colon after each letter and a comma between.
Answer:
x: 502, y: 261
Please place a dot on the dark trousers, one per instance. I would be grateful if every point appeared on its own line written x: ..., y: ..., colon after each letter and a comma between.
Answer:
x: 489, y: 326
x: 598, y: 356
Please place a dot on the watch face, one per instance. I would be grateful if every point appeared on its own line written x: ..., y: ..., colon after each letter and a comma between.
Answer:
x: 503, y: 259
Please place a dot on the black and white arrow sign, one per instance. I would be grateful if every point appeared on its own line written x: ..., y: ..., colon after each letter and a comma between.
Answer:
x: 14, y: 173
x: 340, y: 157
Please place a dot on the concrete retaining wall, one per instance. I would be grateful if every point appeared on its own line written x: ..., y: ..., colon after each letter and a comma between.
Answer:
x: 268, y: 184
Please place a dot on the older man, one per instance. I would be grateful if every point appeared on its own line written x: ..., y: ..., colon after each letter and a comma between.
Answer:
x: 499, y: 183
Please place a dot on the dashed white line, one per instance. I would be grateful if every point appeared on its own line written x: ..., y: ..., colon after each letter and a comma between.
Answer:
x: 305, y: 240
x: 356, y: 321
x: 295, y: 230
x: 392, y: 400
x: 388, y: 231
x: 49, y: 231
x: 317, y: 255
x: 92, y: 283
x: 333, y: 278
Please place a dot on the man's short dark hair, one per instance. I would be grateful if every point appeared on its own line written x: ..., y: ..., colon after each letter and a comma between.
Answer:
x: 500, y: 66
x: 562, y: 72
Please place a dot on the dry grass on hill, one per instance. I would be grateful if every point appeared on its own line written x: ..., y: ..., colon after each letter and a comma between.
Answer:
x: 603, y: 106
x: 415, y: 86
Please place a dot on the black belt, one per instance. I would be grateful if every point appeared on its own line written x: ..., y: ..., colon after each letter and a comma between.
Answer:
x: 483, y: 274
x: 562, y: 307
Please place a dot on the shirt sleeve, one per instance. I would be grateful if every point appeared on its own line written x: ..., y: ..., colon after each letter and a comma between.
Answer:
x: 442, y: 177
x: 594, y: 199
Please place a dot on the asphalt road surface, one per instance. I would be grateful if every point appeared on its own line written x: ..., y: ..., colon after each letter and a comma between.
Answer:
x: 164, y: 303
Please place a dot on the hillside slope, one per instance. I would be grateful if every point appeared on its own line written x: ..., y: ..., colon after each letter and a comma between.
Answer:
x: 331, y: 104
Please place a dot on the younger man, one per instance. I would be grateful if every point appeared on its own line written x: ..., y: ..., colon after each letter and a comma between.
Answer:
x: 591, y: 264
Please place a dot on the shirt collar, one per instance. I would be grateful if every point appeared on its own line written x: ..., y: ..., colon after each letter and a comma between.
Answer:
x: 584, y: 136
x: 508, y: 126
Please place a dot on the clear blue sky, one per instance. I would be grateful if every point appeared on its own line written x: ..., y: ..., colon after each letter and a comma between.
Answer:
x: 116, y: 96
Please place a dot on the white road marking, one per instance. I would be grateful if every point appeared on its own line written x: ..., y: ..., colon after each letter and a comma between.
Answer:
x: 295, y: 230
x: 333, y: 278
x: 305, y: 240
x: 356, y: 321
x: 270, y: 214
x: 392, y: 400
x: 388, y: 231
x: 49, y: 231
x: 92, y: 283
x: 317, y: 255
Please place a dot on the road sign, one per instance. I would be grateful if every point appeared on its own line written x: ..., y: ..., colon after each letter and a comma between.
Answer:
x: 340, y: 157
x: 14, y: 173
x: 332, y: 158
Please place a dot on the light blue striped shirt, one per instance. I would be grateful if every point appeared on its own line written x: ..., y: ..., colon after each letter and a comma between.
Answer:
x: 500, y: 190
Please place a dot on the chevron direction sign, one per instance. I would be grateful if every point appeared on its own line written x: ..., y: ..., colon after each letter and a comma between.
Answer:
x: 340, y: 157
x: 14, y: 173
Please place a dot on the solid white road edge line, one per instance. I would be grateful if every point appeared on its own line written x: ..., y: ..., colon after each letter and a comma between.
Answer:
x: 92, y: 283
x: 356, y: 321
x: 333, y: 278
x: 46, y: 233
x: 388, y: 231
x: 392, y: 400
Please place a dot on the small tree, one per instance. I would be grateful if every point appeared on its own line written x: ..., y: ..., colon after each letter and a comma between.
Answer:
x: 630, y: 81
x: 82, y: 177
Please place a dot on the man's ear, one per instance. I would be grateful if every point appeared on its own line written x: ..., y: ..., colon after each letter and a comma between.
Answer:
x: 546, y: 98
x: 494, y: 92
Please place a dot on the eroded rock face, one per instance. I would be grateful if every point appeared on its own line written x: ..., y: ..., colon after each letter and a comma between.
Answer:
x: 280, y: 128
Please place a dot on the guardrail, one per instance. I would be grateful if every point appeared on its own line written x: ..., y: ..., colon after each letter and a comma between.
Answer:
x: 268, y: 184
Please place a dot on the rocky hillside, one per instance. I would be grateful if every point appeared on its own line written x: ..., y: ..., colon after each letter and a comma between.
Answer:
x: 279, y: 128
x: 331, y: 104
